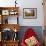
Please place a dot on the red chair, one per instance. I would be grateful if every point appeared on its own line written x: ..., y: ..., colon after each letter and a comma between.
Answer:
x: 29, y: 33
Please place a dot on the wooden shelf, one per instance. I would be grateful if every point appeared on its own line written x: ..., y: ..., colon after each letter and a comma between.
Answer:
x: 9, y: 43
x: 4, y: 25
x: 8, y: 11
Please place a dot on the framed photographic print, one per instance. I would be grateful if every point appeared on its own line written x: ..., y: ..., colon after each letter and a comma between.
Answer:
x: 30, y: 13
x: 5, y: 12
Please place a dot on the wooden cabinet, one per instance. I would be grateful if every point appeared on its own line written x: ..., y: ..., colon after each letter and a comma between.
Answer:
x: 10, y: 43
x: 9, y: 25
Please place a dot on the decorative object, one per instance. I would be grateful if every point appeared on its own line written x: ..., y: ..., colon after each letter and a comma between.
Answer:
x: 30, y: 13
x: 31, y: 41
x: 15, y: 3
x: 15, y: 37
x: 6, y: 21
x: 5, y: 12
x: 13, y: 12
x: 15, y: 34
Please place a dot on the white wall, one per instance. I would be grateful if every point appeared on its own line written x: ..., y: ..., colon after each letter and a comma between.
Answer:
x: 27, y: 4
x: 33, y: 4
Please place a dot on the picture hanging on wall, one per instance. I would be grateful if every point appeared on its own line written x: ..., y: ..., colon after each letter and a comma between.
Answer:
x: 29, y: 13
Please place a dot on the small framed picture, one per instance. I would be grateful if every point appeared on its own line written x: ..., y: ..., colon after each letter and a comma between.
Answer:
x: 29, y: 13
x: 5, y: 12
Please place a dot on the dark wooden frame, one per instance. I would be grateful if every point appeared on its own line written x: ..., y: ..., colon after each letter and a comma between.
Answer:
x: 30, y: 17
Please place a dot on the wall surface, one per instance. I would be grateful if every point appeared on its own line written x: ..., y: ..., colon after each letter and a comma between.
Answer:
x: 27, y: 4
x: 32, y: 22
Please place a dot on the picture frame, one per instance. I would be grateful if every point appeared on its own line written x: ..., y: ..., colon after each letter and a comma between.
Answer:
x: 5, y: 12
x: 29, y: 13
